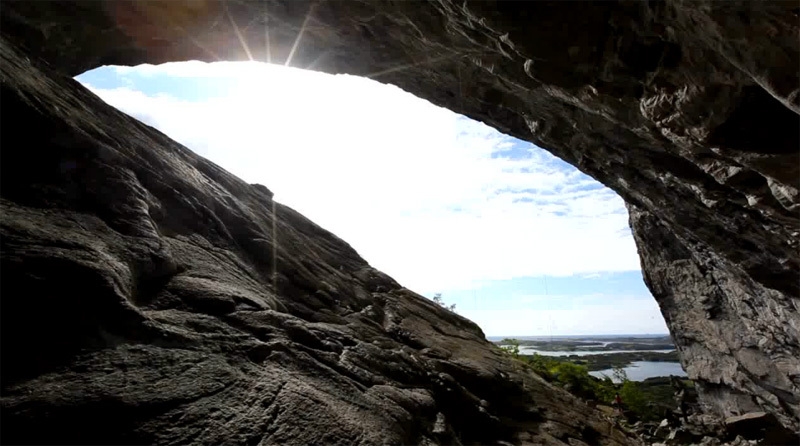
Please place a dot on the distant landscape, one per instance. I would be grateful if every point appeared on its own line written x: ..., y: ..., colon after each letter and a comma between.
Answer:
x: 596, y: 368
x: 600, y: 343
x: 640, y: 356
x: 659, y: 337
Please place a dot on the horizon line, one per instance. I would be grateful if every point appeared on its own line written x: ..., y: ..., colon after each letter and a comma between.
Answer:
x: 573, y: 335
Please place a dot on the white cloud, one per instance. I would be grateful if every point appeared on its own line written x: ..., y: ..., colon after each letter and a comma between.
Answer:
x: 584, y: 315
x: 413, y: 187
x: 193, y: 69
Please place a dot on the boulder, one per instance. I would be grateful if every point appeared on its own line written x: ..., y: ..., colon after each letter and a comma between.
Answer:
x: 681, y: 435
x: 760, y: 426
x: 662, y: 431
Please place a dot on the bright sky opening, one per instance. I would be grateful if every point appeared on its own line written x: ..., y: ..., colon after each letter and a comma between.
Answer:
x: 523, y: 243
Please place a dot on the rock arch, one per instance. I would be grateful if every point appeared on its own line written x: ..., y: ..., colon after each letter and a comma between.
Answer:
x: 688, y: 110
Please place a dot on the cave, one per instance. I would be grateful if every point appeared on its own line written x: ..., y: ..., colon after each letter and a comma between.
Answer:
x: 142, y: 302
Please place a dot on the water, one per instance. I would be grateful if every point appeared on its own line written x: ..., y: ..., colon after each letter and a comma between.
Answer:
x: 531, y: 350
x: 636, y: 371
x: 641, y: 370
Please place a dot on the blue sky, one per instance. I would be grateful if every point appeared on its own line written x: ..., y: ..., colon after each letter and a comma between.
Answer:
x: 520, y: 241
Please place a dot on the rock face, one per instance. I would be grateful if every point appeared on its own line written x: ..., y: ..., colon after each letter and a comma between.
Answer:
x: 688, y: 109
x: 150, y: 297
x: 759, y: 425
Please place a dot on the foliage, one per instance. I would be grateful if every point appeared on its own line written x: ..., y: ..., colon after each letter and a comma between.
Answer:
x: 605, y: 390
x: 438, y: 299
x: 637, y: 400
x: 619, y: 374
x: 511, y: 346
x: 573, y: 377
x: 634, y: 399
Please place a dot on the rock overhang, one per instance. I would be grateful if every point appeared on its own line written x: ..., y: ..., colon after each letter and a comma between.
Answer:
x: 688, y: 110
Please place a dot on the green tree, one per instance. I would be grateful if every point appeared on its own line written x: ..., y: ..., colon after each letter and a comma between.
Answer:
x: 605, y: 390
x: 573, y: 377
x: 634, y: 398
x: 511, y: 346
x: 576, y: 379
x: 541, y: 365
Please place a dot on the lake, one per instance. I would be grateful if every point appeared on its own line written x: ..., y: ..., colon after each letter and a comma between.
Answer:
x: 636, y: 371
x: 641, y: 370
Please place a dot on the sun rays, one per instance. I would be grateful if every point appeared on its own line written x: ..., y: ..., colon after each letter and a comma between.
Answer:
x: 236, y: 30
x: 299, y: 37
x: 407, y: 66
x: 267, y: 41
x: 267, y: 46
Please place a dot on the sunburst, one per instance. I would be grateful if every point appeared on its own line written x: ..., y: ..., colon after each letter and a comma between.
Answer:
x: 236, y: 30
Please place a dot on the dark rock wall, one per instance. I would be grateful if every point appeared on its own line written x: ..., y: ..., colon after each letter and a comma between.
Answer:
x: 688, y: 109
x: 150, y: 297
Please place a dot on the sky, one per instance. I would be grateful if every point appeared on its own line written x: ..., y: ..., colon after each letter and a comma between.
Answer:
x: 523, y: 243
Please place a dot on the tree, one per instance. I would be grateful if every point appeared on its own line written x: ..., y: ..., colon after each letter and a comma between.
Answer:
x: 619, y: 374
x: 511, y: 346
x: 633, y: 396
x: 438, y: 299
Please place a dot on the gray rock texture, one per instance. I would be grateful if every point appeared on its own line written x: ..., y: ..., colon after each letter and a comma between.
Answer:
x: 688, y: 109
x: 150, y: 297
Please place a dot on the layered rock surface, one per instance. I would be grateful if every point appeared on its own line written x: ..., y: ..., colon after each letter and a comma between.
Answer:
x: 148, y: 296
x: 688, y: 109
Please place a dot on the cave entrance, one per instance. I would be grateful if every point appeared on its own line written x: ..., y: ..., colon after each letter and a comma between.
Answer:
x: 520, y: 241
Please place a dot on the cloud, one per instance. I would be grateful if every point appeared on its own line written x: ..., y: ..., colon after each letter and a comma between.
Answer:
x: 193, y: 69
x: 434, y: 199
x: 576, y: 315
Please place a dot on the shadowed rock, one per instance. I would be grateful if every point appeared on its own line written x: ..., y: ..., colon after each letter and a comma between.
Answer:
x: 142, y: 303
x: 687, y: 109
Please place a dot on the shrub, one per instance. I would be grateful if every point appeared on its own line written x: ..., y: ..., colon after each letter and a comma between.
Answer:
x: 573, y: 377
x: 511, y: 346
x: 638, y: 400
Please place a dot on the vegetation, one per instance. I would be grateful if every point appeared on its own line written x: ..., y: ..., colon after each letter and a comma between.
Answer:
x: 611, y: 360
x: 646, y: 401
x: 511, y: 346
x: 595, y: 362
x: 438, y: 299
x: 573, y: 377
x: 599, y: 345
